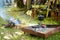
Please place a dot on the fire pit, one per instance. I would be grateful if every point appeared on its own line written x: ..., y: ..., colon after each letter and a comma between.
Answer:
x: 42, y: 32
x: 12, y: 22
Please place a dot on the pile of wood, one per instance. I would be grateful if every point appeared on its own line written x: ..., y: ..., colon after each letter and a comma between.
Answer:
x: 55, y: 16
x: 58, y: 6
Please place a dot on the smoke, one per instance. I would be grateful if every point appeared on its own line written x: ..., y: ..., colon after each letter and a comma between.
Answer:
x: 2, y: 14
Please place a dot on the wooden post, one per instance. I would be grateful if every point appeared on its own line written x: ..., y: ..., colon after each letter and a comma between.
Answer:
x: 35, y: 9
x: 48, y: 4
x: 28, y: 3
x: 34, y: 13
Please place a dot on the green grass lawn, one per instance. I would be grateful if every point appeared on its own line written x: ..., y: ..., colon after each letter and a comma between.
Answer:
x: 17, y: 34
x: 14, y: 36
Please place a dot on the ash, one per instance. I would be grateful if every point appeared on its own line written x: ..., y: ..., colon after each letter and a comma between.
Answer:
x: 40, y: 29
x: 44, y: 30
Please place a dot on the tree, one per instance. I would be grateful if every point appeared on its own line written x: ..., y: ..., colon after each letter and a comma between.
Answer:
x: 20, y: 3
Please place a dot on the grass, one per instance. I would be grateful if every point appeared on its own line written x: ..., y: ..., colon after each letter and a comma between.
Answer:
x: 27, y: 20
x: 23, y: 17
x: 23, y: 36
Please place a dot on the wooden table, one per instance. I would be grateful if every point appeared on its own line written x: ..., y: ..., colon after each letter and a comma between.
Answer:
x: 44, y: 34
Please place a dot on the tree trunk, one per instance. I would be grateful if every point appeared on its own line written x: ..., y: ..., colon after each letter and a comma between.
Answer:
x: 48, y: 8
x: 28, y: 4
x: 20, y: 3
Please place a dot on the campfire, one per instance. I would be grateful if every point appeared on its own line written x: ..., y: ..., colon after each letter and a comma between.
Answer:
x: 12, y: 22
